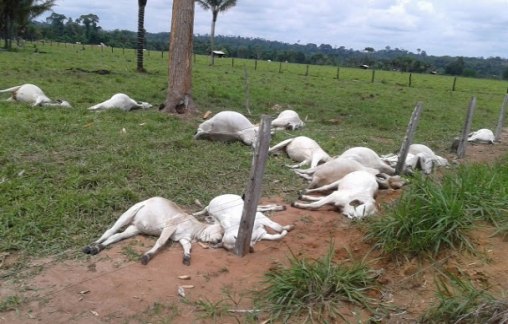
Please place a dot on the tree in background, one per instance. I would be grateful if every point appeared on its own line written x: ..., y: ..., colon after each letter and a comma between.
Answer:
x: 179, y: 96
x: 141, y: 34
x: 15, y: 15
x: 216, y: 6
x: 91, y: 23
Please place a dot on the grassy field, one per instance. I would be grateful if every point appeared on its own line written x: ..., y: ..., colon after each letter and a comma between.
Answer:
x: 68, y: 173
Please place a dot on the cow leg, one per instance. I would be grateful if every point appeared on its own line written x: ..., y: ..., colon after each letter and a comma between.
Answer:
x: 97, y: 246
x: 275, y: 226
x: 274, y: 237
x: 317, y: 202
x: 294, y: 166
x: 163, y: 238
x: 330, y: 186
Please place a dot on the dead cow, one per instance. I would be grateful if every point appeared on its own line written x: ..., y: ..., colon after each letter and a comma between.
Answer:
x: 228, y: 208
x: 228, y: 126
x: 120, y: 101
x: 287, y: 119
x: 302, y: 149
x: 483, y: 135
x: 355, y: 196
x: 160, y: 217
x: 34, y: 95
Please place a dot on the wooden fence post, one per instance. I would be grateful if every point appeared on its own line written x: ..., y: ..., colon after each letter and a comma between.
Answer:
x: 280, y: 67
x: 338, y: 72
x: 253, y: 190
x: 373, y: 76
x: 500, y: 122
x: 410, y: 79
x: 461, y: 149
x: 255, y: 64
x: 307, y: 70
x: 408, y: 139
x: 247, y: 93
x: 232, y: 62
x: 454, y: 82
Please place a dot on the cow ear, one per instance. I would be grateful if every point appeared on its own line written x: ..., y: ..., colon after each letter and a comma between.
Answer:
x: 355, y: 203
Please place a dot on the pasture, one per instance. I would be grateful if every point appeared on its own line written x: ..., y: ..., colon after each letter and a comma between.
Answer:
x: 66, y: 174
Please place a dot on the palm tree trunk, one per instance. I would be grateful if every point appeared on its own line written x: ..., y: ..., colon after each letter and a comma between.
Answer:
x: 179, y: 97
x: 141, y: 38
x: 212, y: 37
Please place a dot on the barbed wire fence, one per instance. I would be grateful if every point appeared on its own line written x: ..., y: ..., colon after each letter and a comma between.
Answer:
x: 370, y: 75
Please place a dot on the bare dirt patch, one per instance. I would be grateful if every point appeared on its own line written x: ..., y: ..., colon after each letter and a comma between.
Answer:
x: 112, y: 287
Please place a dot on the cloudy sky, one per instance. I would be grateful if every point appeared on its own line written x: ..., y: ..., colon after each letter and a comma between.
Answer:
x: 475, y: 28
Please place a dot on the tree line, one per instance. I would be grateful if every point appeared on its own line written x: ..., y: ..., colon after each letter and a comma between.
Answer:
x: 86, y: 29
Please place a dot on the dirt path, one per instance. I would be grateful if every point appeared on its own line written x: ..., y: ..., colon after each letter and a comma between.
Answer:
x: 111, y: 288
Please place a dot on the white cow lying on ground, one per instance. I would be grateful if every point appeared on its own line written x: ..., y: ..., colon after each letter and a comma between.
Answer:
x: 355, y: 196
x: 302, y: 149
x: 228, y: 208
x: 287, y: 119
x: 327, y: 176
x: 228, y: 126
x: 121, y: 101
x: 34, y: 95
x: 419, y: 157
x: 368, y: 158
x: 483, y: 135
x: 354, y: 159
x: 162, y: 217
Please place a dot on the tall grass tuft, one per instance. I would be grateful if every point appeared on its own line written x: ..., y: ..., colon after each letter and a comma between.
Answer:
x: 461, y: 302
x: 316, y: 289
x: 435, y: 214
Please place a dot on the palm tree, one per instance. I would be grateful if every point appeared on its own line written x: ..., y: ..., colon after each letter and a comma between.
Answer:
x: 216, y: 6
x: 141, y: 34
x: 179, y: 96
x: 18, y: 13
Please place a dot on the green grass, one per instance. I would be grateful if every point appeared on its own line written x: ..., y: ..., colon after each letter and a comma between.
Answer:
x: 67, y: 174
x: 316, y: 290
x: 459, y: 301
x: 437, y: 214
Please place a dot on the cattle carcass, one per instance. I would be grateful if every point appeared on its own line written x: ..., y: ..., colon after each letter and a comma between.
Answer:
x: 483, y: 135
x: 33, y: 95
x: 354, y: 159
x: 368, y: 158
x: 354, y: 198
x: 228, y: 208
x: 287, y: 119
x: 228, y: 126
x: 327, y: 176
x: 120, y: 101
x: 161, y: 217
x: 419, y: 157
x: 302, y: 149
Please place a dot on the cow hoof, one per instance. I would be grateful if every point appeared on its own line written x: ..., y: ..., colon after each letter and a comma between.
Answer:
x: 251, y: 249
x: 290, y: 227
x: 87, y: 249
x: 186, y: 260
x: 145, y: 259
x: 293, y: 204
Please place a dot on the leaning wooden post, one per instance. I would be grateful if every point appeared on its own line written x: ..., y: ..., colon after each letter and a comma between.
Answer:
x: 500, y: 122
x: 408, y: 139
x: 373, y: 76
x: 253, y: 190
x: 461, y: 149
x: 454, y: 82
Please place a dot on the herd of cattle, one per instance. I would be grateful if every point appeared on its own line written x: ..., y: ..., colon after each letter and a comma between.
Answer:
x: 351, y: 180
